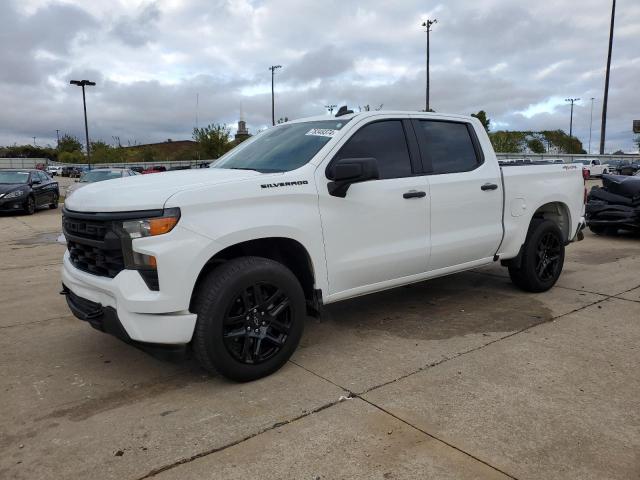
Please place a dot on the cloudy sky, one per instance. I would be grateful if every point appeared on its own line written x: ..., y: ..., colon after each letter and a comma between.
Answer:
x: 516, y: 59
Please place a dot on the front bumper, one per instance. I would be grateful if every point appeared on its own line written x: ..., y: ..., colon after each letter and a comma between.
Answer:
x: 139, y: 310
x: 11, y: 205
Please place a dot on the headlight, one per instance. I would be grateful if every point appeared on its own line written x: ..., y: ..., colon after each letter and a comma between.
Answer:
x: 150, y: 227
x: 15, y: 194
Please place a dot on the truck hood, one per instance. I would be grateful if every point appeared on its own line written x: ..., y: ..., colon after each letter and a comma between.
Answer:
x: 147, y: 192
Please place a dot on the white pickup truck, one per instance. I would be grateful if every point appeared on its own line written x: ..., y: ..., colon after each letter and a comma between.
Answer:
x: 229, y: 260
x: 594, y: 168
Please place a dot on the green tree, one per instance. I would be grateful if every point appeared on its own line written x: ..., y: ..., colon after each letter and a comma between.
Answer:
x: 482, y: 116
x: 71, y: 157
x: 535, y: 145
x: 213, y: 140
x: 102, y: 152
x: 508, y: 142
x: 69, y: 143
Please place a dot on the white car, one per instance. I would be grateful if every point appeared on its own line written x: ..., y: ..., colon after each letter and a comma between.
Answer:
x: 594, y: 168
x: 54, y: 170
x: 230, y: 260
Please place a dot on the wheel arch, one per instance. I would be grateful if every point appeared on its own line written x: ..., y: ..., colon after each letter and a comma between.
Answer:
x: 559, y: 213
x: 287, y: 251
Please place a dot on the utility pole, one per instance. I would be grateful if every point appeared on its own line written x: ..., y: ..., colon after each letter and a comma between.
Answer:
x: 428, y: 24
x: 85, y: 83
x: 605, y: 100
x: 58, y: 137
x: 572, y: 101
x: 330, y: 108
x: 591, y: 124
x: 273, y: 69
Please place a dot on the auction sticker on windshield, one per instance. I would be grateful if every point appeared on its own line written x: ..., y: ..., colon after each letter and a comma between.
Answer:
x: 321, y: 132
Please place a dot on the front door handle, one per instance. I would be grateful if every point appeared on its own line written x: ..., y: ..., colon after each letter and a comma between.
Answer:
x: 489, y: 186
x: 414, y: 194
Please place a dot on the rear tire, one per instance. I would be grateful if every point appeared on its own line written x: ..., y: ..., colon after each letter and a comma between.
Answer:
x: 542, y: 258
x: 598, y: 229
x: 251, y: 314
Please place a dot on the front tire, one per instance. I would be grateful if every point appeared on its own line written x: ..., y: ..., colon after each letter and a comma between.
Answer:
x: 30, y: 205
x: 54, y: 202
x: 542, y: 258
x: 251, y: 313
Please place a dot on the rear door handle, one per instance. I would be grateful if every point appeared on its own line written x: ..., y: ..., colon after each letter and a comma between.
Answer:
x: 489, y: 186
x: 414, y: 194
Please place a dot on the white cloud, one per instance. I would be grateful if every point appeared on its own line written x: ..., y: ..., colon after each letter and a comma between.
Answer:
x: 515, y: 59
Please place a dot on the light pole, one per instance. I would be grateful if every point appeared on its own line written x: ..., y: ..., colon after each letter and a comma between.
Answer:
x: 34, y: 141
x: 572, y: 101
x: 58, y: 137
x: 605, y: 100
x: 85, y: 83
x: 273, y: 69
x: 330, y: 108
x: 591, y: 124
x: 428, y: 24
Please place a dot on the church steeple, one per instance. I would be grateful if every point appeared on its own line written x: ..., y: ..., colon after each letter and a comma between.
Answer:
x: 242, y: 133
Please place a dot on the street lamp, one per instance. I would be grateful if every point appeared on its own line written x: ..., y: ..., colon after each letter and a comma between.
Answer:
x: 330, y: 108
x: 428, y: 24
x: 273, y: 69
x: 591, y: 124
x: 571, y: 101
x: 85, y: 83
x: 605, y: 100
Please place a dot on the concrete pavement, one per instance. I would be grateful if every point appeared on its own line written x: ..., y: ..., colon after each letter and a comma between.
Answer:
x: 459, y: 377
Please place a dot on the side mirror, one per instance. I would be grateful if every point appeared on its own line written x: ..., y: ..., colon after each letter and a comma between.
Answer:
x: 347, y: 171
x: 36, y: 181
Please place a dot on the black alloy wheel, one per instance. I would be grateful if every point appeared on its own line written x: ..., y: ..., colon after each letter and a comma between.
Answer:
x: 541, y: 258
x: 251, y: 314
x: 548, y: 256
x: 257, y: 323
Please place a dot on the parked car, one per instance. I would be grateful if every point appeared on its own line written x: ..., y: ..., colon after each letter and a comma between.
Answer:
x: 594, y: 168
x: 77, y: 171
x: 137, y: 169
x: 98, y: 175
x: 628, y: 168
x: 65, y: 171
x: 26, y: 190
x: 231, y: 259
x: 54, y: 170
x: 156, y: 169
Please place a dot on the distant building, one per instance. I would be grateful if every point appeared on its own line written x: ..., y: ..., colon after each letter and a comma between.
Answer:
x: 242, y: 134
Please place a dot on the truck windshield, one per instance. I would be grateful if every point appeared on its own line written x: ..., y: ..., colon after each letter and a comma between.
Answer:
x: 282, y: 148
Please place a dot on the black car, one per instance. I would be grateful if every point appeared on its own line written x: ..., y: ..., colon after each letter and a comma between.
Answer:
x: 628, y: 169
x: 26, y: 190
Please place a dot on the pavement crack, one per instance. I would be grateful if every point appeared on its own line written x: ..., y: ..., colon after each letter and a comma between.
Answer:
x: 211, y: 451
x: 436, y: 438
x: 42, y: 320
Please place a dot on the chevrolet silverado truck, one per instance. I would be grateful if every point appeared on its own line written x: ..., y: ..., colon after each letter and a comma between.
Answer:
x: 231, y: 259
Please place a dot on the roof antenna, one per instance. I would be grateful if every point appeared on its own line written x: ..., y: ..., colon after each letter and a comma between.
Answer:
x: 343, y: 111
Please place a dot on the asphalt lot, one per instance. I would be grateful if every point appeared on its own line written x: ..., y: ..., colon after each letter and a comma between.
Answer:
x: 457, y: 378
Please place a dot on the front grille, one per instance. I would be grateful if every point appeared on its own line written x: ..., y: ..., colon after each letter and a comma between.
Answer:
x: 96, y: 259
x: 93, y: 245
